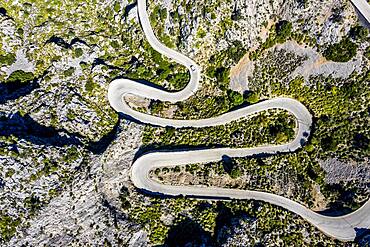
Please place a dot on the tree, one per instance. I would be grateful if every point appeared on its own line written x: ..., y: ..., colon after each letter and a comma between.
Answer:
x: 235, y: 97
x: 329, y: 144
x: 283, y: 30
x: 251, y: 97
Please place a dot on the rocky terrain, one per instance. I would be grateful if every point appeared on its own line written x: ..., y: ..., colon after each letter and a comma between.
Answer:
x: 65, y: 154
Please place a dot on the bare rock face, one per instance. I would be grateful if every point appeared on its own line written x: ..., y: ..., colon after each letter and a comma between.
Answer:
x: 85, y: 214
x: 314, y: 64
x: 338, y: 171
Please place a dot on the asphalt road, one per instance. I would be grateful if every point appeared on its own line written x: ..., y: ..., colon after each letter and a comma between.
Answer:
x: 363, y: 7
x: 343, y: 228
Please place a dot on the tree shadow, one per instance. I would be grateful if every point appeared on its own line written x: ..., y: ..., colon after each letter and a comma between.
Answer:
x: 335, y: 210
x: 61, y: 42
x: 3, y: 11
x: 28, y: 129
x: 99, y: 61
x: 100, y: 146
x: 12, y: 91
x: 362, y: 236
x: 128, y: 8
x: 226, y: 219
x: 24, y: 127
x: 114, y: 211
x: 344, y: 203
x: 227, y: 163
x: 166, y: 196
x: 153, y: 148
x: 188, y: 233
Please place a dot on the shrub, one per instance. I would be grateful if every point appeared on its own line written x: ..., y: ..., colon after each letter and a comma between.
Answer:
x: 329, y: 144
x: 79, y: 52
x: 90, y: 85
x: 367, y: 53
x: 235, y: 172
x: 179, y: 80
x: 359, y: 32
x: 343, y: 51
x: 69, y: 72
x: 222, y: 76
x: 251, y: 97
x: 33, y: 203
x: 8, y: 226
x: 283, y: 30
x: 235, y: 97
x: 116, y: 7
x: 20, y: 77
x: 7, y: 59
x: 236, y: 51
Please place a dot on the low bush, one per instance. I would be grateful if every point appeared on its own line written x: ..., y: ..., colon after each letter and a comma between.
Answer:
x: 343, y: 51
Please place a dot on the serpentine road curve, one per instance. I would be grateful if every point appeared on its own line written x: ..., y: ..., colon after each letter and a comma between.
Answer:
x: 343, y: 227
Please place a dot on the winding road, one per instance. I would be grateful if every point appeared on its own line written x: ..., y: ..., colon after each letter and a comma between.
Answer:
x: 343, y: 227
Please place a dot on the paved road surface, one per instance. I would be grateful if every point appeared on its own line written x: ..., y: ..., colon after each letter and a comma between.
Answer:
x: 363, y: 7
x: 343, y: 228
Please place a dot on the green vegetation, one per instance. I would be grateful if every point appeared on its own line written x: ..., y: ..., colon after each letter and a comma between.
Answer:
x: 266, y: 127
x: 69, y: 72
x: 75, y: 34
x: 220, y: 64
x: 235, y: 172
x: 174, y: 77
x: 9, y: 173
x: 212, y: 223
x: 251, y: 97
x: 70, y: 115
x: 334, y: 103
x: 33, y: 203
x: 159, y: 15
x: 72, y: 154
x: 8, y: 226
x: 133, y: 58
x: 179, y: 80
x: 359, y: 33
x: 7, y: 59
x: 20, y: 77
x: 116, y: 7
x: 201, y: 33
x: 235, y: 98
x: 78, y: 52
x: 90, y: 86
x: 218, y: 75
x: 367, y: 53
x: 283, y: 31
x: 339, y: 108
x: 279, y: 33
x: 343, y: 51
